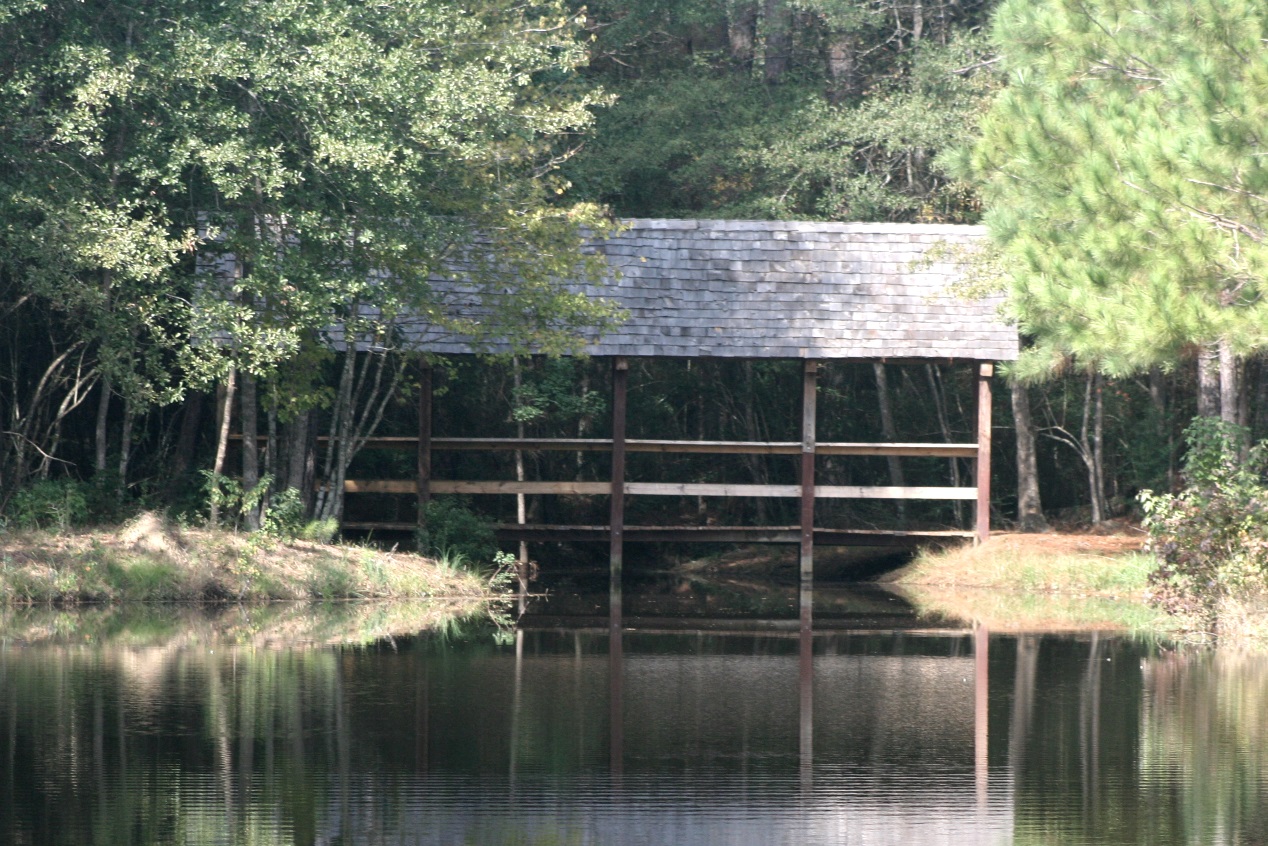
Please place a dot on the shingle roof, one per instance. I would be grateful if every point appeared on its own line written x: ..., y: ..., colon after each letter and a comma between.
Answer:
x: 776, y: 289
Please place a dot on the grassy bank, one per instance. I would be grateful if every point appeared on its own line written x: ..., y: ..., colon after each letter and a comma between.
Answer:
x: 151, y: 559
x: 1045, y: 582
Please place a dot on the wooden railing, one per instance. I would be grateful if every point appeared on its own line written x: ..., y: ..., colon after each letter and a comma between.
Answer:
x: 617, y: 488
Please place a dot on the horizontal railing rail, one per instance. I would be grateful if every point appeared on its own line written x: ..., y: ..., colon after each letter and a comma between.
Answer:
x: 449, y: 486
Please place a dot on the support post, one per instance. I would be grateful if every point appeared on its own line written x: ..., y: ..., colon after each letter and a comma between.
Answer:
x: 984, y: 373
x: 620, y: 379
x: 424, y: 437
x: 809, y: 384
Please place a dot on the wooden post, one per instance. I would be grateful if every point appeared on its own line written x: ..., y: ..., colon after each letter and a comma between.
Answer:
x: 809, y: 384
x: 984, y: 373
x: 620, y: 379
x: 424, y: 437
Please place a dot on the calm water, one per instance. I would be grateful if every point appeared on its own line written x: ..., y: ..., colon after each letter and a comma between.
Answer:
x: 702, y: 722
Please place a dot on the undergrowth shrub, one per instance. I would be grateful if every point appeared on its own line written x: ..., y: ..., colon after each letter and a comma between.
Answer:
x: 284, y: 518
x: 55, y: 504
x: 1211, y: 538
x: 452, y: 531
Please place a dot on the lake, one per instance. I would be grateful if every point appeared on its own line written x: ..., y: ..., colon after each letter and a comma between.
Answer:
x: 761, y: 717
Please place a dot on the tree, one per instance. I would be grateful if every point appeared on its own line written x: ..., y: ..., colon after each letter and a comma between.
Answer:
x: 1124, y: 175
x: 207, y: 189
x: 784, y: 109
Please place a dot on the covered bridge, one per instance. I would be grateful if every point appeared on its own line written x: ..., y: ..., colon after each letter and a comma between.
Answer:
x: 758, y: 290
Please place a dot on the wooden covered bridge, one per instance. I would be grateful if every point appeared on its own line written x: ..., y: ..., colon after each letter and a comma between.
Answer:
x: 755, y: 290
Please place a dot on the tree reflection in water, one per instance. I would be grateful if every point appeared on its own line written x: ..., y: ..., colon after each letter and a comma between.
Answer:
x: 617, y: 735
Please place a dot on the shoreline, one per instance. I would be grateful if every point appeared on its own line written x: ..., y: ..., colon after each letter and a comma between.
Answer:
x: 1041, y: 582
x: 151, y: 559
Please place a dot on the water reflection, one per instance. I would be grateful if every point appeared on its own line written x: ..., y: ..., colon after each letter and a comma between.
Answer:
x: 810, y: 733
x: 1204, y: 737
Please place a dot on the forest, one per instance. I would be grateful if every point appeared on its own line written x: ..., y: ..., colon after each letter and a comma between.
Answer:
x: 340, y: 152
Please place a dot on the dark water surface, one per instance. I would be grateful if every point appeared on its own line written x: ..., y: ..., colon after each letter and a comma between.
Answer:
x: 700, y: 722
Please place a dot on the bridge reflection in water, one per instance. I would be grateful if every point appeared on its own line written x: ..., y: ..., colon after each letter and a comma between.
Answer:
x: 807, y: 724
x: 910, y: 727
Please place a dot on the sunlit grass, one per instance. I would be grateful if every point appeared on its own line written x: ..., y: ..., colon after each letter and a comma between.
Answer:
x: 1008, y: 585
x: 154, y: 560
x: 1013, y: 567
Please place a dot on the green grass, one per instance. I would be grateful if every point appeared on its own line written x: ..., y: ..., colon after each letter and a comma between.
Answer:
x: 1026, y: 570
x: 153, y: 560
x: 1007, y: 585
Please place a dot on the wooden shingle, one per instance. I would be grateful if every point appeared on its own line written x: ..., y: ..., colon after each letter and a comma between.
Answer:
x: 760, y: 289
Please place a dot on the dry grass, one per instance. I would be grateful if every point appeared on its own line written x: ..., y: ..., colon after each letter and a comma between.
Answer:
x: 1039, y: 582
x: 152, y: 559
x: 1102, y: 565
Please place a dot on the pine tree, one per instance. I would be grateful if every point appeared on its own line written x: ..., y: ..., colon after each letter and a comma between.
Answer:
x: 1124, y: 175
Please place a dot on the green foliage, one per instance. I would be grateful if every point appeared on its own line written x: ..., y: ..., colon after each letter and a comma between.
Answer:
x: 284, y: 518
x: 454, y: 534
x: 551, y: 392
x: 225, y: 494
x: 1211, y: 539
x: 144, y: 580
x: 1124, y: 176
x: 697, y: 131
x: 109, y: 500
x: 177, y: 171
x: 285, y: 515
x: 55, y: 505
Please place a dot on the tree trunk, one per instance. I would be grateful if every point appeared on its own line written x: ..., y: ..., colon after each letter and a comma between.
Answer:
x: 742, y: 33
x: 521, y: 502
x: 272, y: 445
x: 702, y: 507
x: 330, y: 497
x: 187, y: 440
x: 1230, y: 385
x: 360, y: 401
x: 842, y: 66
x: 1029, y: 507
x: 222, y: 444
x: 937, y: 391
x: 778, y: 41
x: 752, y: 432
x: 583, y: 426
x: 1208, y: 382
x: 103, y: 417
x: 301, y: 458
x: 1090, y: 438
x: 890, y: 433
x: 250, y: 447
x: 1098, y: 445
x: 125, y: 442
x: 1158, y: 399
x: 1259, y: 418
